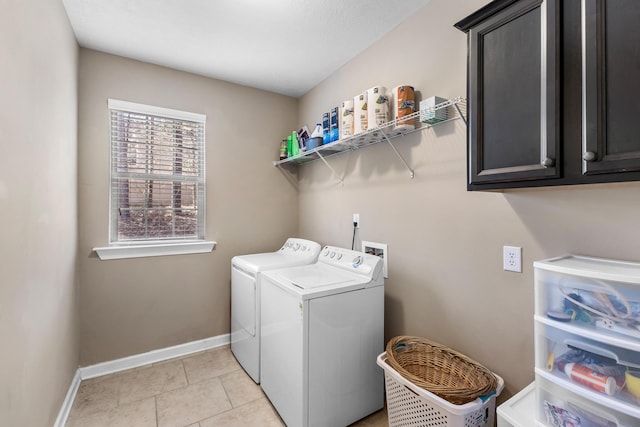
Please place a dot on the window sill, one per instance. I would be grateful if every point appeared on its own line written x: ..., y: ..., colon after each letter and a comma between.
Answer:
x: 154, y: 249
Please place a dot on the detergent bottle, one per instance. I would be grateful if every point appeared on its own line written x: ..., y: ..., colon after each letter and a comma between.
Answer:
x: 318, y: 132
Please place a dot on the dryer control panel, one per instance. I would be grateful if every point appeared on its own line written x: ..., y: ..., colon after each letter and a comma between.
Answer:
x: 295, y: 245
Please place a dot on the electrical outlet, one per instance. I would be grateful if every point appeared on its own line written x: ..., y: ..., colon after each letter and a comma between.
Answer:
x: 512, y: 258
x: 356, y: 219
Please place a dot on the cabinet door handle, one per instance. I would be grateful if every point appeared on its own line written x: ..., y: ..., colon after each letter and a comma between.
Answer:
x: 548, y: 162
x: 589, y: 156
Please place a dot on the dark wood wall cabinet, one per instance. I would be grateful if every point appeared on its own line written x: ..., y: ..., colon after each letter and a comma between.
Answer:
x: 553, y: 93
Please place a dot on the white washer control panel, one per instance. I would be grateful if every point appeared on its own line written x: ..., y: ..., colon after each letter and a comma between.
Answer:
x: 355, y: 261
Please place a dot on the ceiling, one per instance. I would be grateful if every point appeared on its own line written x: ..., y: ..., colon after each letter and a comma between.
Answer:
x: 283, y: 46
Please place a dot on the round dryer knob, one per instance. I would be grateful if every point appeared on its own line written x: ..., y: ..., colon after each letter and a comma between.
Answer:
x: 326, y: 252
x: 357, y: 260
x: 332, y: 254
x: 296, y: 246
x: 339, y: 256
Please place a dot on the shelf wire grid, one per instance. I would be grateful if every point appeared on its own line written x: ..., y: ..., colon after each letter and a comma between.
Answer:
x: 453, y: 109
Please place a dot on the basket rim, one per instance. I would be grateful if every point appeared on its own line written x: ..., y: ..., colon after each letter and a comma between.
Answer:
x: 461, y: 409
x: 480, y: 381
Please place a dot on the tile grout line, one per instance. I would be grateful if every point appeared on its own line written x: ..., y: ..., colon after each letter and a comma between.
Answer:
x: 228, y: 410
x: 206, y: 418
x: 120, y: 385
x: 155, y: 401
x: 155, y: 396
x: 186, y: 377
x: 219, y: 378
x: 226, y: 393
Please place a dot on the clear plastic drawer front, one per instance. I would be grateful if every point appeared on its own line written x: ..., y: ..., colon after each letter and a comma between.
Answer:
x: 600, y: 298
x: 599, y: 371
x: 558, y: 407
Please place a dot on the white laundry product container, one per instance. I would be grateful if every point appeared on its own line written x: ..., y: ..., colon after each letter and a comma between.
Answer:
x: 360, y: 115
x: 377, y: 107
x: 346, y: 119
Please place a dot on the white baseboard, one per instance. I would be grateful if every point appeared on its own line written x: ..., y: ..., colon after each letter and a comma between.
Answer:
x: 134, y: 361
x: 153, y: 356
x: 68, y: 401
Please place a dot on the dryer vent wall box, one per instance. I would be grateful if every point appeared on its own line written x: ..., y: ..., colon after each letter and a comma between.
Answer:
x: 380, y: 250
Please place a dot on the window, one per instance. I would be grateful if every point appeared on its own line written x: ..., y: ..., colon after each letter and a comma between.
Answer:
x: 157, y: 174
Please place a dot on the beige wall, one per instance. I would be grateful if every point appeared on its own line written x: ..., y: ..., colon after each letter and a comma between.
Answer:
x: 38, y: 211
x: 136, y: 305
x: 445, y: 244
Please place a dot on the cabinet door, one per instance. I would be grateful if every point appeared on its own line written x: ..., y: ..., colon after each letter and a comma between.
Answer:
x: 611, y: 86
x: 513, y: 94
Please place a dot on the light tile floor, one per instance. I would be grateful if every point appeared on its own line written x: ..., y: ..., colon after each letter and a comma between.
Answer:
x: 205, y: 389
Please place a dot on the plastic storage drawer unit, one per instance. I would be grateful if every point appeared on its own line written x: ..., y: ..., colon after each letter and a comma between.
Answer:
x: 519, y: 409
x: 587, y: 340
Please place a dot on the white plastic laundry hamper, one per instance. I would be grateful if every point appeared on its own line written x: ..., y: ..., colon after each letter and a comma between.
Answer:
x: 409, y: 405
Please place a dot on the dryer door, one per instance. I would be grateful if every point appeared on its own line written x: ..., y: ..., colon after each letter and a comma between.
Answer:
x: 243, y: 303
x: 245, y: 318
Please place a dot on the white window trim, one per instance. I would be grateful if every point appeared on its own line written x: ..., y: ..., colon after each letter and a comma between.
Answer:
x: 116, y: 104
x: 152, y: 249
x: 140, y: 249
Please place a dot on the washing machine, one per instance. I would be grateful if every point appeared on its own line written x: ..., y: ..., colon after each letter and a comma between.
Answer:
x: 322, y: 329
x: 246, y: 272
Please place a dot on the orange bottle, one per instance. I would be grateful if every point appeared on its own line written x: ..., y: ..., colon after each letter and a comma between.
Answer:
x: 590, y: 378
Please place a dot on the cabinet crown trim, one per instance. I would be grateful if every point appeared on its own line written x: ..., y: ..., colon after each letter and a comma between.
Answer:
x: 480, y: 15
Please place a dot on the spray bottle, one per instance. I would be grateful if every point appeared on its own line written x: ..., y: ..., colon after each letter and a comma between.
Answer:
x: 295, y: 148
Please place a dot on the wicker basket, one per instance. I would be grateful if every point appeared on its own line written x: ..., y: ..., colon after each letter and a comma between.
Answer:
x: 439, y: 369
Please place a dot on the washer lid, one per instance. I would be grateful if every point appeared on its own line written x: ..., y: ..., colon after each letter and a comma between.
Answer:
x: 316, y: 276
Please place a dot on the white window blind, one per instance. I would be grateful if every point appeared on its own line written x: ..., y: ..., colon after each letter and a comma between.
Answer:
x: 157, y: 174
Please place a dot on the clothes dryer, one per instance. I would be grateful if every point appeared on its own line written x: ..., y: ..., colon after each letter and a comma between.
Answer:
x: 246, y: 271
x: 322, y: 329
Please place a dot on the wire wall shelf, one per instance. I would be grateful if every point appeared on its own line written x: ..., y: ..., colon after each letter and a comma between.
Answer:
x: 447, y: 111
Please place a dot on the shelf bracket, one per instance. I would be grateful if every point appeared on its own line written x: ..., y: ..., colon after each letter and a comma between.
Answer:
x: 411, y: 173
x: 330, y: 168
x: 293, y: 179
x: 464, y: 119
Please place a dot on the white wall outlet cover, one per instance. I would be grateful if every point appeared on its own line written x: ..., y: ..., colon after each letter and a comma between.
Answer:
x: 512, y: 258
